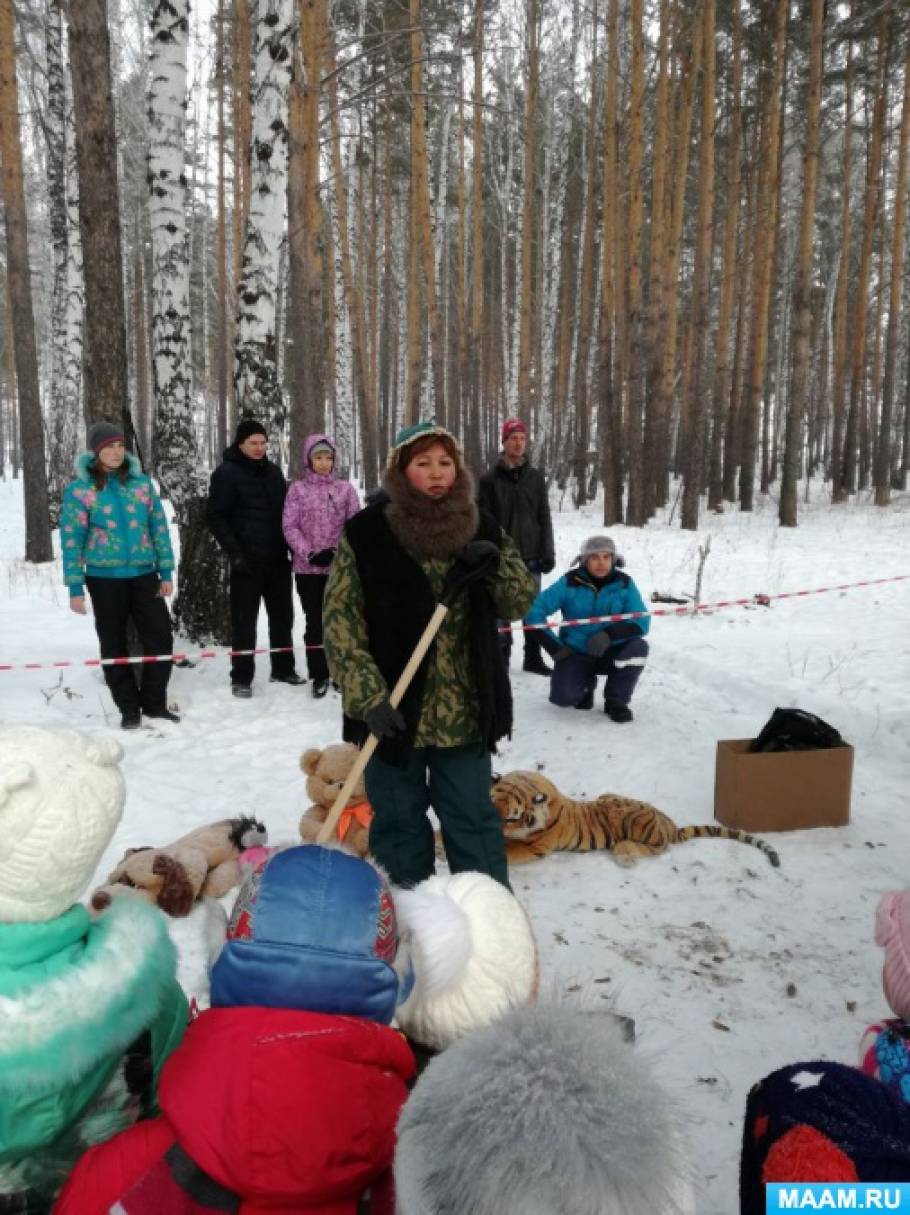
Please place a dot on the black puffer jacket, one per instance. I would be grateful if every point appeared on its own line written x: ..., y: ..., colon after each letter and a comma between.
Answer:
x: 246, y: 498
x: 517, y: 499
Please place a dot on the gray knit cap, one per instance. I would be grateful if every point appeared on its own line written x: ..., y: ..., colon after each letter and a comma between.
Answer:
x: 596, y: 544
x: 101, y: 434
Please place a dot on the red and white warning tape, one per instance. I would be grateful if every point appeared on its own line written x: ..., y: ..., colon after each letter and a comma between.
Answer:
x: 685, y: 610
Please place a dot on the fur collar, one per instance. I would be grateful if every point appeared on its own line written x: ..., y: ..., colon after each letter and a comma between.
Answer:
x: 86, y: 458
x: 426, y: 527
x: 62, y: 1028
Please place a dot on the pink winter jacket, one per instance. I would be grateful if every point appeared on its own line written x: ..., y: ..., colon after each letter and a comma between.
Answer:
x: 315, y: 511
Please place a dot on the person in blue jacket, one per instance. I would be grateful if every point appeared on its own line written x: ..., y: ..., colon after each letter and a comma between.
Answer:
x: 595, y: 586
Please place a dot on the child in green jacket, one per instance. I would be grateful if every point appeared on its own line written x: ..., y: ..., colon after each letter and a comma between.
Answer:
x: 89, y: 1010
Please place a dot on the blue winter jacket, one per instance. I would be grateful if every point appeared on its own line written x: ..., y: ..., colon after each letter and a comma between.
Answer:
x: 118, y: 532
x: 576, y: 595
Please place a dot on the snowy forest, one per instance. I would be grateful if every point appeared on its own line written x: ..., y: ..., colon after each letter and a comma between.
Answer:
x: 668, y: 234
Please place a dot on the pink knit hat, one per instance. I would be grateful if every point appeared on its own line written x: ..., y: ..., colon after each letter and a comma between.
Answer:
x: 892, y: 932
x: 510, y: 426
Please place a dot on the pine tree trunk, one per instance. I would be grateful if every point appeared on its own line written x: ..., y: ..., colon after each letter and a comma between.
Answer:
x: 722, y: 369
x: 475, y: 331
x: 884, y: 454
x: 802, y: 299
x: 697, y: 411
x: 587, y: 281
x: 222, y: 373
x: 766, y: 211
x: 609, y: 426
x: 634, y: 222
x: 654, y: 311
x: 256, y: 350
x: 847, y: 473
x: 37, y: 520
x: 106, y: 374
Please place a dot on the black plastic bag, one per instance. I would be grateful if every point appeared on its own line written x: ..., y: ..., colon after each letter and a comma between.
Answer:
x: 796, y: 730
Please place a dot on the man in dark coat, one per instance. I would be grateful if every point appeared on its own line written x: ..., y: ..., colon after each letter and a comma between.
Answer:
x: 515, y: 493
x: 246, y: 498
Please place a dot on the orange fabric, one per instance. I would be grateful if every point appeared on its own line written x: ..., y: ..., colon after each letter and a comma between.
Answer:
x: 362, y: 814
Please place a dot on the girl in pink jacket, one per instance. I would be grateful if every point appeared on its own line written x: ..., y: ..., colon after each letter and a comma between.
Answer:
x: 315, y: 511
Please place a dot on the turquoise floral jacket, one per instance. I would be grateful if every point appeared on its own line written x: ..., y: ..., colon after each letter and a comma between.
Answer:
x: 118, y: 532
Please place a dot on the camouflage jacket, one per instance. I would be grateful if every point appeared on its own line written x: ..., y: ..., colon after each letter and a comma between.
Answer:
x: 449, y: 711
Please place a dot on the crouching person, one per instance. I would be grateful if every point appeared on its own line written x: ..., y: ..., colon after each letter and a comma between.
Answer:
x: 595, y: 586
x: 285, y: 1093
x: 89, y: 1010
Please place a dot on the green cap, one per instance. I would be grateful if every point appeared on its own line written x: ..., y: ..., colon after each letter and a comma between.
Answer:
x: 420, y: 430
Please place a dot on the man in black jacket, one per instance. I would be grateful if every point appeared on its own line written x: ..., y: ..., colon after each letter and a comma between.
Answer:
x: 246, y: 499
x: 515, y: 493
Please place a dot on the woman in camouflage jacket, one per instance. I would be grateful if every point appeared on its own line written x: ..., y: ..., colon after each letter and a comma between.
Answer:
x: 395, y: 561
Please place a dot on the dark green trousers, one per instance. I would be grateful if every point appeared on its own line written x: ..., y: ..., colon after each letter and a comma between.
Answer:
x: 455, y: 781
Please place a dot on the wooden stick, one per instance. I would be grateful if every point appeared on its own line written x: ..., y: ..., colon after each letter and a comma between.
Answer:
x: 328, y: 827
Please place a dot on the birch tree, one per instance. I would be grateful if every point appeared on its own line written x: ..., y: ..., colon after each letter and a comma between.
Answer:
x: 64, y: 417
x: 18, y: 277
x: 255, y: 371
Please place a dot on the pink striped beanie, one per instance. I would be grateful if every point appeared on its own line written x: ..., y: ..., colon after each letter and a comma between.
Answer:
x: 892, y: 932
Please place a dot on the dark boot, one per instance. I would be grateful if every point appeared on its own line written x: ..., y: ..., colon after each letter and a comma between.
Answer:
x: 617, y: 712
x: 587, y: 701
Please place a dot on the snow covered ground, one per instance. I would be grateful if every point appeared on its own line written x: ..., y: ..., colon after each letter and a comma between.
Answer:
x: 729, y: 967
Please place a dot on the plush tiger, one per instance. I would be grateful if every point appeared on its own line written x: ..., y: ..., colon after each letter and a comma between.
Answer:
x: 537, y: 820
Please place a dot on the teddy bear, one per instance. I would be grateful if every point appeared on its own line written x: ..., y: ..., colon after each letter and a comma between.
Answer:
x: 204, y: 862
x: 327, y: 769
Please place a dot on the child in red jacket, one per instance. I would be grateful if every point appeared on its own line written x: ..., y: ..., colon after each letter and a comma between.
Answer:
x: 285, y: 1094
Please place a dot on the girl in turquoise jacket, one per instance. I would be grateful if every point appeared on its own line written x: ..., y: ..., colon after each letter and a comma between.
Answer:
x: 581, y: 652
x: 114, y: 542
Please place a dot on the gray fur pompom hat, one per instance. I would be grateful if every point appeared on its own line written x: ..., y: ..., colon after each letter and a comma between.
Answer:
x: 547, y: 1111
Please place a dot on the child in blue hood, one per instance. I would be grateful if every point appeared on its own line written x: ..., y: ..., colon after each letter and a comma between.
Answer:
x: 595, y: 586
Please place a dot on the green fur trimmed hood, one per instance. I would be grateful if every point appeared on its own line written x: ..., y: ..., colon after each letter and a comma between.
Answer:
x: 76, y: 1000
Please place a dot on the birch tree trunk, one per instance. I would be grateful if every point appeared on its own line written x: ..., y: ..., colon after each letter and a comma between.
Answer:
x: 899, y: 227
x: 64, y: 417
x: 256, y: 353
x: 37, y: 521
x: 524, y: 302
x: 802, y: 299
x: 841, y: 303
x: 173, y: 433
x: 106, y: 373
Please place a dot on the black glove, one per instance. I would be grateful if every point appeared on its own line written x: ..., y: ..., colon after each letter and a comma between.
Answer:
x: 547, y: 566
x: 240, y: 565
x: 384, y: 720
x: 480, y: 554
x: 322, y: 557
x: 598, y: 643
x: 560, y: 654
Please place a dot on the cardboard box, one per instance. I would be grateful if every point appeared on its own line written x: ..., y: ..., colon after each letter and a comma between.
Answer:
x: 781, y: 790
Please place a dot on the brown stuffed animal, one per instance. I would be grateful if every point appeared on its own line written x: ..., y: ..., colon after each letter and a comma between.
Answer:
x: 204, y: 862
x: 327, y: 769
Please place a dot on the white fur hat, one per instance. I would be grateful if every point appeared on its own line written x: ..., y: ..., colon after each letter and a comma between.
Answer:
x: 547, y: 1111
x: 61, y: 798
x: 474, y: 955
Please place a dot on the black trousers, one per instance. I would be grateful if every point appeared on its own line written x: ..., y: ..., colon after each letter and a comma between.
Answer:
x: 115, y: 602
x: 531, y: 639
x: 311, y: 589
x: 271, y: 585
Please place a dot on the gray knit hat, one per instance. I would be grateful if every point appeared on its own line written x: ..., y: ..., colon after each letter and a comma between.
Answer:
x: 596, y: 544
x: 102, y: 434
